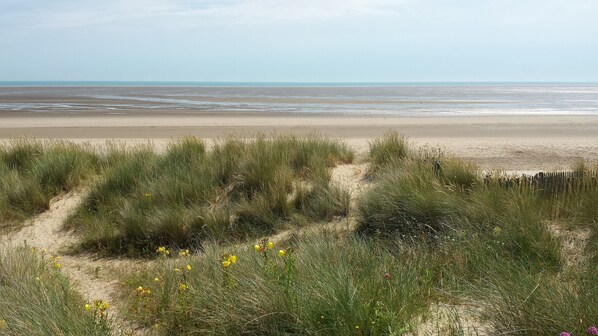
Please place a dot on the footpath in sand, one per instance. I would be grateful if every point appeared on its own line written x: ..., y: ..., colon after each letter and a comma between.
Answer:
x: 94, y: 279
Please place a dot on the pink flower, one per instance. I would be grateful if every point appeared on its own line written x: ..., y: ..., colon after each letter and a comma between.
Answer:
x: 592, y: 330
x: 564, y: 333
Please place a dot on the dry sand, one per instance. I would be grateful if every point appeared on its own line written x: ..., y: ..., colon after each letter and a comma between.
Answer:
x: 512, y: 143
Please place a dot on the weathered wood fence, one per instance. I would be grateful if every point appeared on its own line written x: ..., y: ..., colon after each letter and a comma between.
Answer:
x: 562, y: 187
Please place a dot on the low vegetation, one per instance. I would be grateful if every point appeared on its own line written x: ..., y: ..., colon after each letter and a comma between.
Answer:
x: 32, y: 172
x: 431, y: 232
x: 36, y: 299
x: 318, y: 285
x: 188, y: 195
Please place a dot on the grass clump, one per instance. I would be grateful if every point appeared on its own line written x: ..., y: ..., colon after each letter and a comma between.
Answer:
x: 32, y: 172
x: 38, y: 300
x: 238, y: 189
x: 319, y: 285
x: 406, y: 203
x: 524, y: 302
x: 391, y: 148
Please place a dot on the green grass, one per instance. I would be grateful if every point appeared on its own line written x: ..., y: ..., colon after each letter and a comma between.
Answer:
x: 36, y: 299
x: 523, y: 302
x: 389, y: 149
x: 429, y: 221
x: 188, y: 195
x: 32, y: 172
x: 322, y: 286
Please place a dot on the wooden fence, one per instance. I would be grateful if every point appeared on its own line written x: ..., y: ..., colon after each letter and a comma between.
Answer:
x: 562, y: 187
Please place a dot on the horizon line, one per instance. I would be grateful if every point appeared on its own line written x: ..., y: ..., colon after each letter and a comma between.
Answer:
x: 261, y: 83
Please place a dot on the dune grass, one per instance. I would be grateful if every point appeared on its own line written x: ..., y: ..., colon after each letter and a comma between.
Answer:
x: 36, y: 299
x: 488, y: 243
x: 187, y: 195
x: 322, y: 285
x: 430, y: 230
x: 32, y: 172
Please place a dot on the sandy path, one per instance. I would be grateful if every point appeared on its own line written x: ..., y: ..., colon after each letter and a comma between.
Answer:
x: 95, y: 279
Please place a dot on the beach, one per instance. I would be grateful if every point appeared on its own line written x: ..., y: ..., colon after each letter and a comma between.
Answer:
x: 514, y: 127
x: 512, y: 143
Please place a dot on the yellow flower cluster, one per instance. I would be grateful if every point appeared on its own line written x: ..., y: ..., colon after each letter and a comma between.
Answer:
x: 143, y: 291
x: 228, y: 259
x: 184, y: 253
x: 261, y: 248
x: 55, y: 260
x: 183, y: 287
x: 100, y: 307
x: 162, y: 251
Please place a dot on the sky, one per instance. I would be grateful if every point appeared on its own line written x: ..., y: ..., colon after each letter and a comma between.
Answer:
x: 299, y: 40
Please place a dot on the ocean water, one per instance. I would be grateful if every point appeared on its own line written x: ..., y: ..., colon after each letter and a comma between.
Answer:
x: 401, y: 99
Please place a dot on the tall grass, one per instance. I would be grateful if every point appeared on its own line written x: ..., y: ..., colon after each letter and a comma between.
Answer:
x: 409, y: 203
x: 187, y: 195
x: 523, y: 302
x: 321, y: 286
x: 391, y: 148
x: 37, y: 300
x: 32, y: 172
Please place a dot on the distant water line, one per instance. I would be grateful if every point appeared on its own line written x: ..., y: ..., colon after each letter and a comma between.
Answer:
x: 400, y: 99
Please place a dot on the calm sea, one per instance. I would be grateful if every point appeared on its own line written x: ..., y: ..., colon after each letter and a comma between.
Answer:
x: 404, y: 99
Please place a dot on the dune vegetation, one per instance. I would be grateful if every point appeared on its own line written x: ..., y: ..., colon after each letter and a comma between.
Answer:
x: 256, y: 237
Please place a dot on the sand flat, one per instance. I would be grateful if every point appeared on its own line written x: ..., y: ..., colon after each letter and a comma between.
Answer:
x: 519, y: 143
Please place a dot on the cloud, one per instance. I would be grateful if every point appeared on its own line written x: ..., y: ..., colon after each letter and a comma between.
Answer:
x: 70, y: 13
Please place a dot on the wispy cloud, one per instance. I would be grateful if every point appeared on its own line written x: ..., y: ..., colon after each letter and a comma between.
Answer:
x: 70, y: 13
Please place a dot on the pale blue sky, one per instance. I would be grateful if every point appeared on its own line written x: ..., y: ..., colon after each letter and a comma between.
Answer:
x: 299, y: 40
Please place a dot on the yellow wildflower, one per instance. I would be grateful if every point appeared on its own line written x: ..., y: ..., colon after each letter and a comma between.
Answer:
x: 147, y: 194
x: 281, y: 253
x: 37, y: 279
x: 496, y: 230
x: 356, y: 327
x: 44, y: 251
x: 225, y: 263
x: 189, y: 267
x: 140, y: 289
x: 161, y: 249
x: 57, y: 266
x: 257, y: 247
x: 232, y: 259
x: 87, y: 306
x: 184, y: 253
x: 270, y: 245
x: 156, y: 279
x: 176, y: 270
x: 183, y: 287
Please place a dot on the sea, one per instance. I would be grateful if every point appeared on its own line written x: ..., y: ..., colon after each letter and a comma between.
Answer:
x: 388, y: 99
